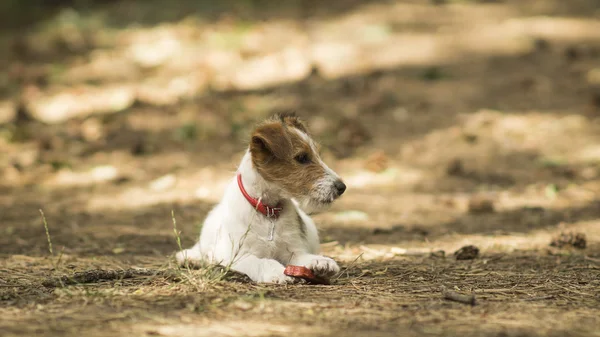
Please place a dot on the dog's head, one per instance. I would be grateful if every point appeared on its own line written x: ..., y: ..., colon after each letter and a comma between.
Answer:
x: 285, y: 155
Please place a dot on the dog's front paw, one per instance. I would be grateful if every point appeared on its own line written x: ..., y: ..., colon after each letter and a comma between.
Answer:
x: 323, y: 266
x: 190, y: 257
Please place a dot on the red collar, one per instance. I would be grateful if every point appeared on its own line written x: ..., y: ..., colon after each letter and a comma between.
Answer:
x: 269, y: 212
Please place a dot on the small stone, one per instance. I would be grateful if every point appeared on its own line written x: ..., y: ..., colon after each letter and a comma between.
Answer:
x: 455, y: 168
x: 572, y: 53
x: 575, y: 240
x: 541, y: 44
x: 140, y: 147
x: 438, y: 254
x: 480, y: 205
x: 470, y: 138
x: 467, y: 253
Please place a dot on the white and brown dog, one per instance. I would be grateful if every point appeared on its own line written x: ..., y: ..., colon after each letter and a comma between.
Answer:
x: 261, y: 224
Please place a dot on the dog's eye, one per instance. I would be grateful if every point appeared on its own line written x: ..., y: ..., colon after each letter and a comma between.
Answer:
x: 302, y: 158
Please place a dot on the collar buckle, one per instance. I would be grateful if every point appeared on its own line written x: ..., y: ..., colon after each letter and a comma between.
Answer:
x: 272, y: 211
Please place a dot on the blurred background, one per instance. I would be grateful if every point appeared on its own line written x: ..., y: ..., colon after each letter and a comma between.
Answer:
x: 452, y: 122
x: 449, y: 120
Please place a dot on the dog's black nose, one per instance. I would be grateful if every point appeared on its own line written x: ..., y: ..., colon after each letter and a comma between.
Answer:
x: 340, y: 187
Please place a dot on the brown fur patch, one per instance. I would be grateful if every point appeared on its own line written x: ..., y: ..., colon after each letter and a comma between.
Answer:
x: 274, y: 147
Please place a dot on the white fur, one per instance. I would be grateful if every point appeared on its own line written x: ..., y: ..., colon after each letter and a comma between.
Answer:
x: 235, y: 234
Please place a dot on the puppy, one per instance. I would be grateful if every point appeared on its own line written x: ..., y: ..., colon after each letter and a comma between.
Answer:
x: 261, y: 224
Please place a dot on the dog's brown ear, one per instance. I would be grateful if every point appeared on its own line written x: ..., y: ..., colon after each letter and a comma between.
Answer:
x: 291, y: 119
x: 270, y: 140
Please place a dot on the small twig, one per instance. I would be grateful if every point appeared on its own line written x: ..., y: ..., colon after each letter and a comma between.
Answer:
x: 456, y: 297
x: 354, y: 285
x: 571, y: 290
x: 539, y: 298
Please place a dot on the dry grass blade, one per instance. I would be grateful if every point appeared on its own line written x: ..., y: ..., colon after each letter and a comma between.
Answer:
x: 47, y: 232
x: 177, y: 233
x: 348, y: 267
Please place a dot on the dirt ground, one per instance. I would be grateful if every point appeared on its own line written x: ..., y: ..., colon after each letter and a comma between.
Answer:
x: 453, y: 123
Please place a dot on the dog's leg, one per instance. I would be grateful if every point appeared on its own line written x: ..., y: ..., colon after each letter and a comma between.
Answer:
x: 320, y: 265
x: 262, y: 270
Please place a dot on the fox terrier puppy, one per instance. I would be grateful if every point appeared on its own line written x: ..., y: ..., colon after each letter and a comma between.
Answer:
x: 261, y: 224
